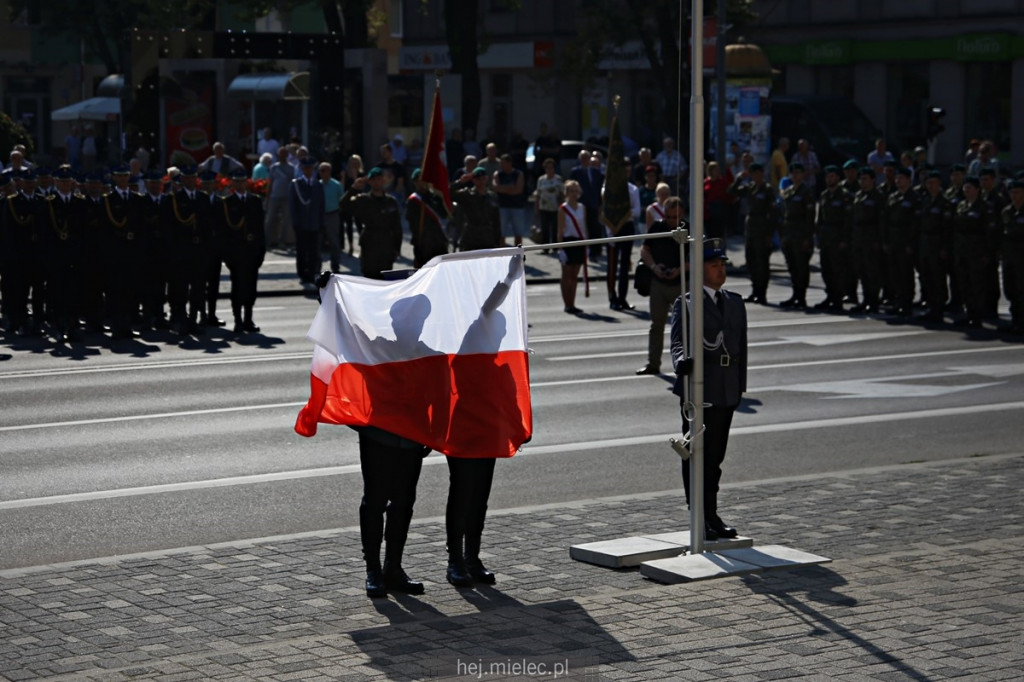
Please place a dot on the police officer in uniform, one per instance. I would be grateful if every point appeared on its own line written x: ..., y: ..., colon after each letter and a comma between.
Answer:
x: 477, y: 220
x: 936, y: 238
x: 125, y: 252
x: 24, y: 227
x: 244, y: 244
x: 380, y: 215
x: 868, y: 228
x: 798, y: 235
x: 834, y: 232
x: 973, y: 229
x: 424, y: 212
x: 902, y: 226
x: 724, y: 356
x: 762, y: 219
x: 1011, y: 248
x: 60, y: 236
x: 188, y: 237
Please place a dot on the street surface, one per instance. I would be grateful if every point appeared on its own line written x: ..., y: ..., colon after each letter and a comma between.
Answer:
x: 155, y: 444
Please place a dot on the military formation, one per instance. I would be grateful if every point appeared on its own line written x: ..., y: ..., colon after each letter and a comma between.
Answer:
x: 884, y: 239
x: 111, y: 253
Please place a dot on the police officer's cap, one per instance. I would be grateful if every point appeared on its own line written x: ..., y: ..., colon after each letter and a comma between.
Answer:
x: 93, y: 176
x: 63, y: 173
x: 152, y: 175
x: 478, y: 171
x: 1017, y: 184
x: 44, y: 172
x: 375, y: 172
x: 972, y: 180
x: 120, y: 169
x: 187, y: 171
x: 239, y: 174
x: 796, y: 167
x: 207, y: 176
x: 934, y: 174
x: 868, y: 171
x: 904, y: 171
x: 958, y: 167
x: 832, y: 168
x: 988, y: 171
x: 415, y: 174
x: 849, y: 164
x: 307, y: 161
x: 27, y: 174
x: 756, y: 168
x: 714, y: 249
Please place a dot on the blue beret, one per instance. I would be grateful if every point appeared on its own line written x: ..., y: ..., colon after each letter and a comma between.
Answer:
x: 375, y: 172
x: 850, y: 164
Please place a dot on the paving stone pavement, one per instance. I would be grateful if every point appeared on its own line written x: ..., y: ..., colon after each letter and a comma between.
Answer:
x: 926, y: 584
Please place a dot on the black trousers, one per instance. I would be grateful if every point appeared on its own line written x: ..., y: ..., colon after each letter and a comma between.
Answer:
x: 717, y: 421
x: 390, y: 475
x: 469, y: 487
x: 307, y: 254
x: 619, y: 254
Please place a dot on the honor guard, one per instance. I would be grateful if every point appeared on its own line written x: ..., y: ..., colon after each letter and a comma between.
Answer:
x: 760, y: 224
x: 60, y: 235
x: 835, y: 216
x: 209, y: 213
x: 245, y: 245
x: 125, y: 252
x: 902, y: 225
x: 1011, y: 248
x: 188, y: 238
x: 425, y: 213
x: 995, y: 196
x: 477, y: 219
x: 152, y: 223
x: 868, y: 217
x: 378, y: 211
x: 24, y: 229
x: 936, y: 238
x: 798, y: 235
x: 973, y: 230
x: 850, y: 181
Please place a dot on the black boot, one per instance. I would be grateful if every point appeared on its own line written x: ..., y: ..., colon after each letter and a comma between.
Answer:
x: 236, y: 311
x: 248, y: 324
x: 394, y: 577
x: 456, y: 573
x: 371, y: 532
x: 476, y: 569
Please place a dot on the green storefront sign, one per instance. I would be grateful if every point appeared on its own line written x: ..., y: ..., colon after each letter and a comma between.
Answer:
x: 829, y: 52
x: 982, y: 47
x: 974, y: 47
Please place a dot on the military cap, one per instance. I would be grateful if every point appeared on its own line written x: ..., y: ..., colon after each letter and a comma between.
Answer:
x: 152, y: 175
x: 796, y: 166
x: 714, y: 249
x: 934, y: 174
x: 27, y: 174
x: 1017, y: 184
x: 478, y: 171
x: 849, y: 164
x: 868, y: 171
x: 120, y: 169
x: 375, y: 172
x: 832, y: 168
x: 93, y: 176
x: 756, y: 167
x: 972, y: 180
x: 207, y: 176
x: 415, y: 174
x: 988, y: 171
x: 63, y: 173
x: 187, y: 171
x: 239, y: 174
x: 44, y: 172
x: 958, y: 167
x: 904, y: 171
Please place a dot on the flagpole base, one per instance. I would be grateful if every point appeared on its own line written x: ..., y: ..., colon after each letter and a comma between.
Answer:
x: 727, y: 562
x: 634, y: 551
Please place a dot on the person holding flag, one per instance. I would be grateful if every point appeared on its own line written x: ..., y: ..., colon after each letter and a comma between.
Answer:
x: 620, y: 209
x: 424, y: 211
x: 379, y: 213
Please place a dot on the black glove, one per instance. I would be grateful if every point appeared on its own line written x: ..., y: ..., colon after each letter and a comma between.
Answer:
x: 321, y: 281
x: 684, y: 367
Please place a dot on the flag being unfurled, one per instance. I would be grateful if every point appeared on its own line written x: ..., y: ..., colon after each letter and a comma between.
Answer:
x: 435, y: 168
x: 439, y: 358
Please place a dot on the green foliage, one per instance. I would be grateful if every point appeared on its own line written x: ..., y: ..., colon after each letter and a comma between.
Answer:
x: 12, y: 133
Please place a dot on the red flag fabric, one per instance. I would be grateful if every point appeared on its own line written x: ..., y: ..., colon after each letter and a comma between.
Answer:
x: 439, y: 358
x: 435, y: 167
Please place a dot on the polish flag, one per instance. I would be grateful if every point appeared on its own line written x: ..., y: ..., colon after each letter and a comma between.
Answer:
x: 439, y: 358
x: 435, y: 167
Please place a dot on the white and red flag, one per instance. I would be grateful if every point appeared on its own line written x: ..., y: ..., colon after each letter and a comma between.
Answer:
x: 439, y: 358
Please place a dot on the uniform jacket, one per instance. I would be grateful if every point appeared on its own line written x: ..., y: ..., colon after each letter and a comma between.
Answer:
x: 306, y: 204
x: 725, y: 348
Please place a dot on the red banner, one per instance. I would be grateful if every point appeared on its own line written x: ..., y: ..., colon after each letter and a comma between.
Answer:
x: 435, y: 167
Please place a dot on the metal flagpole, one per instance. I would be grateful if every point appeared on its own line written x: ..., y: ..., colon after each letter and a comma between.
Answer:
x: 605, y: 240
x: 696, y: 340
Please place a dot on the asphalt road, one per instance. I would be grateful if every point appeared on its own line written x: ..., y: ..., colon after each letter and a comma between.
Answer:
x: 151, y: 445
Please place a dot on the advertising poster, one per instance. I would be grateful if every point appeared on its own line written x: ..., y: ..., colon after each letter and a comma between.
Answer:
x: 747, y: 118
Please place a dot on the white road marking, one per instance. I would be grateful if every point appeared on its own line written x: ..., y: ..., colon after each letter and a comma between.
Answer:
x: 529, y: 450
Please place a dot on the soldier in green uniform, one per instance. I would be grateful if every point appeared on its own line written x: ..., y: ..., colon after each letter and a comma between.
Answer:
x: 244, y: 245
x: 851, y: 182
x: 424, y: 212
x: 995, y: 196
x: 955, y: 194
x: 902, y: 225
x: 835, y: 216
x: 380, y: 215
x: 868, y: 227
x: 1011, y: 249
x: 762, y: 219
x: 477, y: 220
x: 974, y: 226
x: 933, y: 246
x: 798, y: 235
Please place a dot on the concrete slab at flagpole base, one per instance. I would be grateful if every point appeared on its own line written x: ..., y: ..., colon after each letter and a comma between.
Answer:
x: 682, y: 537
x: 770, y: 557
x: 684, y: 569
x: 624, y: 552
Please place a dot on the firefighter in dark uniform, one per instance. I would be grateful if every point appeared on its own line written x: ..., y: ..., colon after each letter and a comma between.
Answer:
x: 995, y: 196
x: 866, y: 242
x: 1011, y: 249
x: 933, y: 245
x: 24, y: 227
x: 762, y: 219
x: 188, y: 240
x: 152, y: 223
x: 125, y: 252
x: 902, y: 225
x: 798, y: 235
x: 241, y: 214
x: 424, y: 212
x: 834, y: 232
x: 95, y: 262
x: 477, y: 221
x: 973, y: 229
x: 60, y: 237
x: 210, y: 214
x: 381, y: 217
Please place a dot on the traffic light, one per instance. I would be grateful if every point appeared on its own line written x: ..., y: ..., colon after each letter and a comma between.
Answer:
x: 935, y: 126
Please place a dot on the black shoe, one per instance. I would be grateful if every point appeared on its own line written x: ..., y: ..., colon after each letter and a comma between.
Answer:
x: 478, y: 572
x: 239, y: 327
x: 859, y: 308
x: 835, y: 307
x: 375, y: 584
x: 722, y: 529
x: 214, y: 321
x: 648, y: 369
x: 788, y: 303
x: 74, y: 335
x: 457, y: 574
x: 871, y: 309
x: 194, y: 329
x: 932, y: 316
x: 615, y: 305
x: 710, y: 534
x: 397, y: 580
x: 799, y: 304
x: 123, y: 334
x: 249, y: 326
x: 762, y: 299
x: 823, y: 305
x: 572, y: 310
x: 626, y: 305
x: 752, y: 298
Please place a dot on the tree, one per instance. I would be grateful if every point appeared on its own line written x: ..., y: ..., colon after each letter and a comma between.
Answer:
x: 13, y: 133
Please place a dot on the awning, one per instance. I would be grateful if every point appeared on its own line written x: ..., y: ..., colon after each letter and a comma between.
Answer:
x: 270, y: 86
x: 92, y: 109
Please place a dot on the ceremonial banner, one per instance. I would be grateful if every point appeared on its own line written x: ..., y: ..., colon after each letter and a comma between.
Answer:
x: 615, y: 207
x: 439, y: 358
x: 435, y: 168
